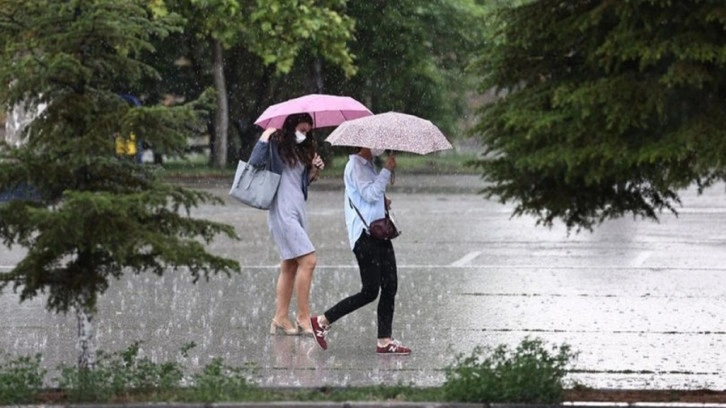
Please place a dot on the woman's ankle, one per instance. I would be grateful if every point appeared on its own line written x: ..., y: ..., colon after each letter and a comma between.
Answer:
x: 384, y: 341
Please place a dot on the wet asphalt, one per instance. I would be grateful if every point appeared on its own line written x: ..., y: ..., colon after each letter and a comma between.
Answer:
x: 643, y: 303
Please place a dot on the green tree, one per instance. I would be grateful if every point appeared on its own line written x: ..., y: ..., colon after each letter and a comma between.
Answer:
x: 606, y: 109
x: 409, y: 56
x: 96, y: 216
x: 271, y: 32
x: 412, y: 57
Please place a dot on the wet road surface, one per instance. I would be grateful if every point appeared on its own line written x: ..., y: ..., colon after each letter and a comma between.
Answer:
x: 643, y: 303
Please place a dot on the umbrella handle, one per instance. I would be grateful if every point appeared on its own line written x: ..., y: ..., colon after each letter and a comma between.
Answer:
x: 393, y: 172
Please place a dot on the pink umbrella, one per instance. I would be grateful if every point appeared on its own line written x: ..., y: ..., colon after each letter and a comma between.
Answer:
x: 326, y: 110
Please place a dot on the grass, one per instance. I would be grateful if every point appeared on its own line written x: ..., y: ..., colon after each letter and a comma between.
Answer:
x: 436, y: 163
x: 257, y: 394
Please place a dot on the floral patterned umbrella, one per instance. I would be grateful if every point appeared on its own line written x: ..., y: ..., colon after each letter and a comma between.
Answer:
x: 391, y: 131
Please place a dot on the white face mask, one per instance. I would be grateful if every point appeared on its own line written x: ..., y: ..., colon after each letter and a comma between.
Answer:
x: 300, y: 137
x: 377, y: 152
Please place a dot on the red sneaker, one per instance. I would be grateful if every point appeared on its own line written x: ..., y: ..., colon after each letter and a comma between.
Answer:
x: 394, y: 347
x: 319, y: 332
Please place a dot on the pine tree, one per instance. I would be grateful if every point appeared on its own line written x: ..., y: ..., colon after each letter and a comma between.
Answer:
x: 95, y: 215
x: 607, y: 108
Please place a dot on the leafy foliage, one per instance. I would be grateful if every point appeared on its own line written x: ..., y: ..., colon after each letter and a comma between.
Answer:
x: 127, y: 375
x: 221, y: 382
x: 97, y: 215
x: 118, y: 375
x: 20, y: 379
x: 412, y: 57
x: 531, y: 373
x: 278, y: 30
x: 271, y: 32
x: 241, y: 47
x: 392, y: 55
x: 607, y: 108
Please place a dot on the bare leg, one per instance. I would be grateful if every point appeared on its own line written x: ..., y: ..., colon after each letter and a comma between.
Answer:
x: 306, y: 266
x: 283, y: 292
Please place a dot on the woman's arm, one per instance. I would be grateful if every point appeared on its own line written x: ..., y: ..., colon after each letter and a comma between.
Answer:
x: 260, y: 154
x: 371, y: 187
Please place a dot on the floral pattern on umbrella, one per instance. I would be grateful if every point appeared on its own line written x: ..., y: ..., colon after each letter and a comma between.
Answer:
x: 391, y: 131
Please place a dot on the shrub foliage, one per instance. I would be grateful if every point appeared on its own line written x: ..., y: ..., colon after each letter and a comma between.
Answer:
x: 531, y: 373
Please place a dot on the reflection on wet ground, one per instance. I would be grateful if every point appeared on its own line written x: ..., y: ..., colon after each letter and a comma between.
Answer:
x: 643, y: 303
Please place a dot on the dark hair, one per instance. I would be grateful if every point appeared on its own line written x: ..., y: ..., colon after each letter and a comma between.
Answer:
x: 291, y: 152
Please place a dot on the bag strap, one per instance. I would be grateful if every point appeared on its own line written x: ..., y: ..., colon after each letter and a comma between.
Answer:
x: 359, y: 214
x: 268, y: 166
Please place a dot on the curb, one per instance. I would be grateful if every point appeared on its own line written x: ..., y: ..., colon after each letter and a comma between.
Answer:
x: 384, y: 404
x: 279, y: 404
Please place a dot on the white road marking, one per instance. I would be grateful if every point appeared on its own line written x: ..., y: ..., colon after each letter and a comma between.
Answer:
x: 489, y: 267
x: 466, y: 259
x: 597, y: 404
x: 638, y: 262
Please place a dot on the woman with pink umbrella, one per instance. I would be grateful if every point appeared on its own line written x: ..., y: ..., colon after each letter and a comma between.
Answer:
x: 293, y: 155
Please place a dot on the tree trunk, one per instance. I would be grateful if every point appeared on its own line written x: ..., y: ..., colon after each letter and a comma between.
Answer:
x: 86, y: 335
x: 16, y: 120
x: 317, y: 79
x: 368, y: 95
x: 221, y: 118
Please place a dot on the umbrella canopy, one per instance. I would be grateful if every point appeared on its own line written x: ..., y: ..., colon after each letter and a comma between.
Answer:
x: 392, y: 131
x: 326, y: 110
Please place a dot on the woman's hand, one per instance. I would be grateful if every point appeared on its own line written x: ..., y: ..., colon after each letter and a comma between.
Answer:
x: 267, y: 133
x: 390, y: 162
x: 318, y: 162
x: 318, y: 166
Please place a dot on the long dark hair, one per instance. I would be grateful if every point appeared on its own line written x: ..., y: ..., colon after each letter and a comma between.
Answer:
x: 291, y: 152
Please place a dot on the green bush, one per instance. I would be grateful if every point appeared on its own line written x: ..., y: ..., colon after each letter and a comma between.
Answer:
x: 219, y: 382
x: 20, y: 379
x: 529, y: 374
x: 117, y: 375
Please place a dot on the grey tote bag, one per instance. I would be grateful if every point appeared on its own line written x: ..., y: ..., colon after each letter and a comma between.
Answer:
x: 255, y: 187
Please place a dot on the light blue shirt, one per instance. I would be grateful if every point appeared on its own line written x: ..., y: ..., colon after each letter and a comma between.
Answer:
x: 367, y: 190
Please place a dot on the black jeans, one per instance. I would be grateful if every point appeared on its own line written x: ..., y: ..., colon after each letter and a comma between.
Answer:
x: 377, y: 264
